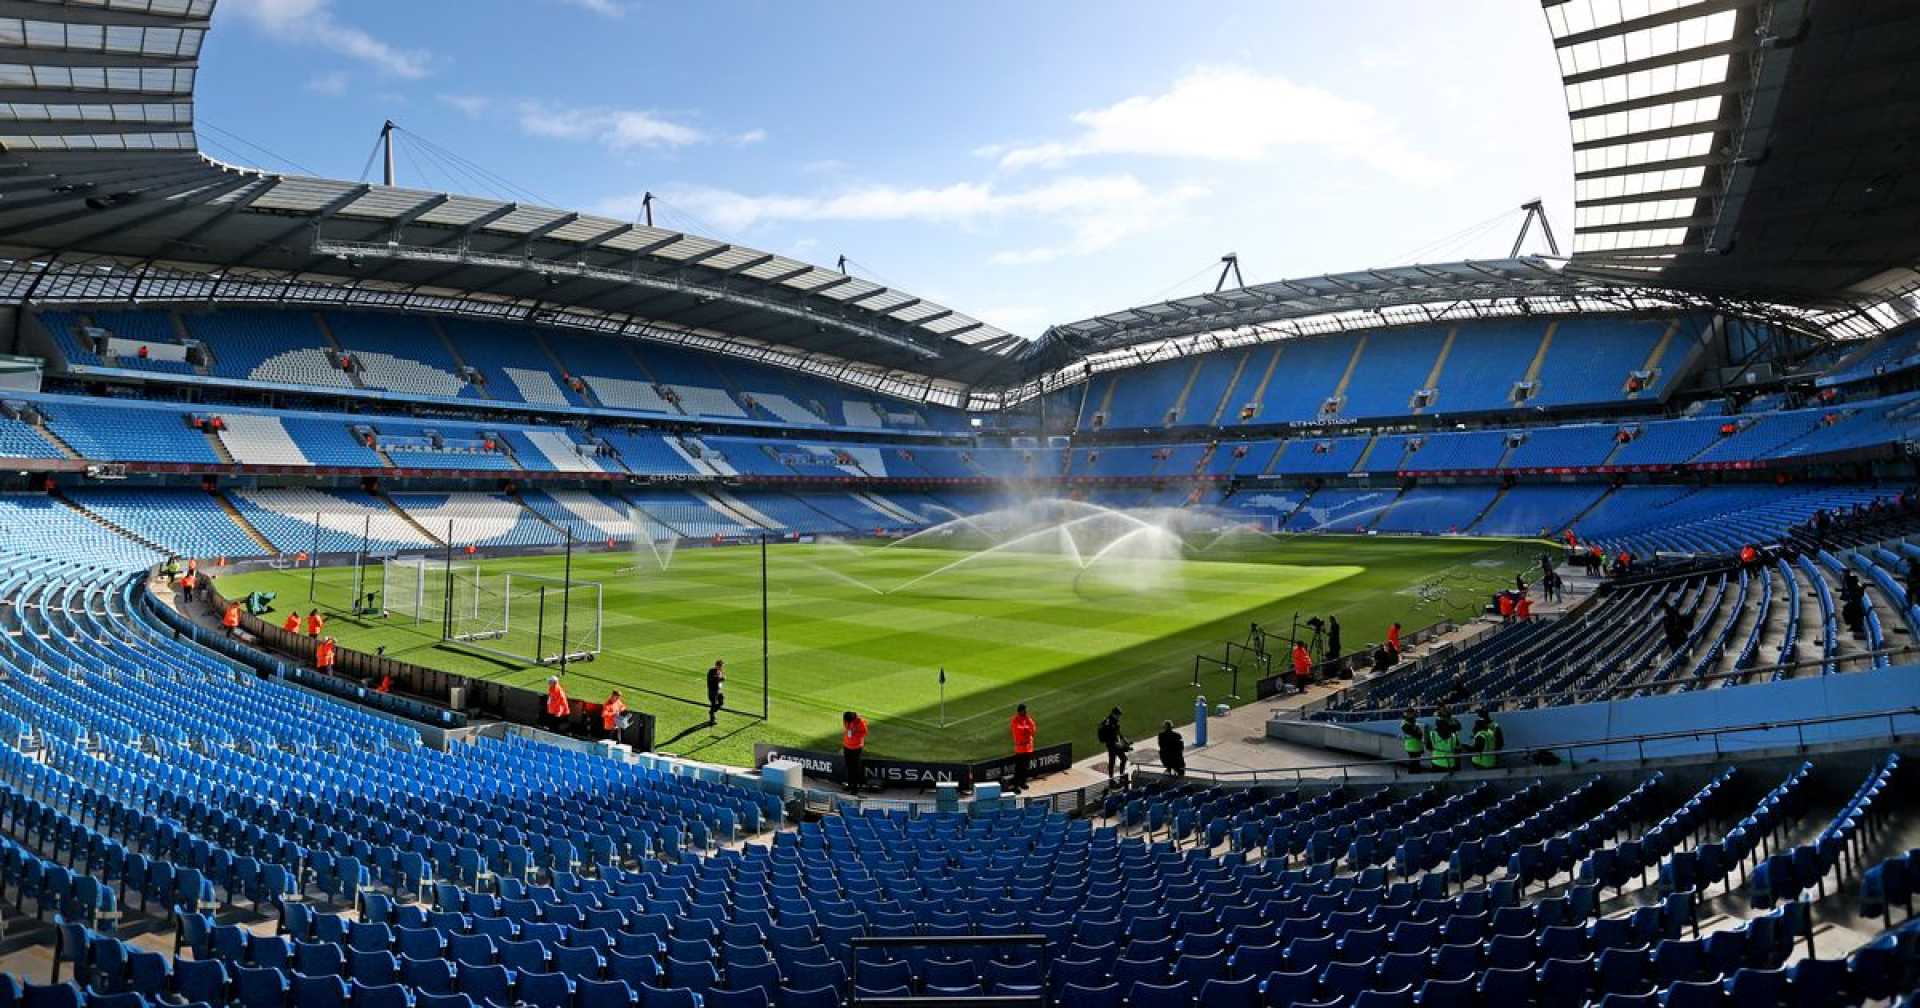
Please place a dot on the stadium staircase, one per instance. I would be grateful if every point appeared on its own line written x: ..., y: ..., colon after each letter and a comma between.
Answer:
x: 59, y: 443
x: 394, y: 506
x: 1539, y: 361
x: 113, y: 527
x: 267, y: 548
x: 453, y: 352
x: 1226, y: 397
x: 735, y: 508
x: 1353, y: 364
x: 1478, y: 518
x: 513, y: 494
x: 1652, y: 364
x: 353, y: 374
x: 217, y: 446
x: 887, y: 507
x: 1433, y: 376
x: 1178, y: 410
x: 1360, y: 464
x: 566, y: 374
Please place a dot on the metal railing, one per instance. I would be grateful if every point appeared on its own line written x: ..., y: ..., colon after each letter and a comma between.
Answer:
x: 1395, y: 767
x: 1590, y: 694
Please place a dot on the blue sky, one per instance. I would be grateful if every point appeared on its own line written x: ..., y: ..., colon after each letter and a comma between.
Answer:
x: 1027, y: 163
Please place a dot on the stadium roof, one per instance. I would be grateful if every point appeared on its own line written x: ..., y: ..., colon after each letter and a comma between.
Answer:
x: 1753, y: 147
x: 1403, y: 295
x: 98, y: 161
x: 1730, y: 154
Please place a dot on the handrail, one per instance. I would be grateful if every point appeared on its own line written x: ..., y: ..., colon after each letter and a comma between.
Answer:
x: 1594, y: 693
x: 1396, y: 764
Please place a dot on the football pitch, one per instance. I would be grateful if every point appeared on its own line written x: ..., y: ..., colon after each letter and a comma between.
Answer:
x: 869, y: 626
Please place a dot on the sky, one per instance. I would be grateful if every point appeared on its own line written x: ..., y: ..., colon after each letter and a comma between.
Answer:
x: 1025, y: 163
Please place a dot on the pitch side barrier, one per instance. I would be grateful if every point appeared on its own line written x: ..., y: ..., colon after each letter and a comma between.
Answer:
x: 922, y: 774
x: 1902, y: 728
x: 428, y: 695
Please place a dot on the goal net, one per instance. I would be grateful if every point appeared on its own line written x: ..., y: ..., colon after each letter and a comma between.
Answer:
x: 530, y: 618
x: 417, y: 588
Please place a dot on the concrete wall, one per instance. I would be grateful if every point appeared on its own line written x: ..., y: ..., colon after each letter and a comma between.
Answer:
x: 1759, y: 704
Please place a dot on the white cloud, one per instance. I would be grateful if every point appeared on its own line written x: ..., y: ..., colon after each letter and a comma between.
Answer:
x: 312, y: 22
x: 472, y: 106
x: 752, y: 136
x: 604, y: 8
x: 619, y: 129
x: 1108, y: 226
x: 1230, y: 114
x: 329, y: 84
x: 961, y: 201
x: 1094, y: 212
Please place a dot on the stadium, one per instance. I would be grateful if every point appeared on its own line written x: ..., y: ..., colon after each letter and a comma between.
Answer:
x: 1526, y: 631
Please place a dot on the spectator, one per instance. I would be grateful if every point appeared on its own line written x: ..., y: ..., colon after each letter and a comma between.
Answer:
x: 716, y: 689
x: 1675, y: 624
x: 1523, y: 609
x: 292, y: 623
x: 1853, y: 605
x: 1457, y: 692
x: 1173, y: 750
x: 1382, y: 660
x: 1911, y: 583
x: 558, y: 709
x: 1116, y: 742
x: 1504, y: 603
x: 1413, y: 739
x: 315, y: 623
x: 1023, y: 730
x: 853, y: 744
x: 613, y: 715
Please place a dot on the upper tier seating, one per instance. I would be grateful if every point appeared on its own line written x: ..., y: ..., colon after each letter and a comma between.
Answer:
x: 398, y: 353
x: 275, y: 347
x: 512, y: 361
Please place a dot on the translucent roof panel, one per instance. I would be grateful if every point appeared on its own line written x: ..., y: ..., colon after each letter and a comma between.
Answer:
x: 1648, y: 84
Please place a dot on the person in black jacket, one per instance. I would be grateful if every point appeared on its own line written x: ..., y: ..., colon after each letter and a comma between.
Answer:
x: 1173, y: 750
x: 1116, y: 742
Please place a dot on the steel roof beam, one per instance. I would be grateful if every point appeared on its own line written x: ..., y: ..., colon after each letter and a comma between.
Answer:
x: 318, y: 217
x: 1674, y: 16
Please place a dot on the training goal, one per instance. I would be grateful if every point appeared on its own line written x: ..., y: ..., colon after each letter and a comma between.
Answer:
x: 529, y: 618
x: 417, y: 588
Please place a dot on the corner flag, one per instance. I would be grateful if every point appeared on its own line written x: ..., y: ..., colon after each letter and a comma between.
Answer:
x: 943, y: 696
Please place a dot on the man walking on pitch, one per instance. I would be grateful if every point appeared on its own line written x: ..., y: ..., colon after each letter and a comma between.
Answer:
x: 1023, y: 731
x: 716, y: 690
x: 1116, y: 742
x: 853, y: 742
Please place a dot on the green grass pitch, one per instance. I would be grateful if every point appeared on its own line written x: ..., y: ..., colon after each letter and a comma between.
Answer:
x: 867, y: 626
